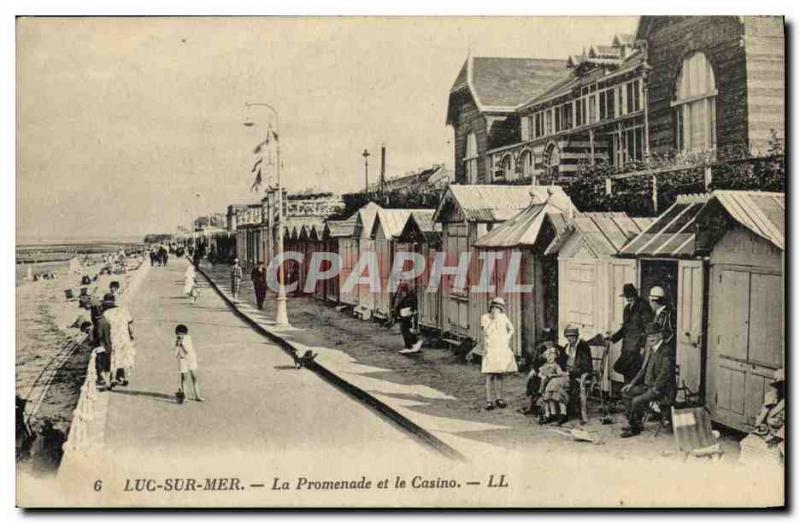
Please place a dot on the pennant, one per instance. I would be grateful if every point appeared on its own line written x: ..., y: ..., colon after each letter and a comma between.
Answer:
x: 255, y: 165
x: 257, y: 182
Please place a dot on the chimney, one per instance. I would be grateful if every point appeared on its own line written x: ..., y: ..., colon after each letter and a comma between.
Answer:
x: 383, y: 166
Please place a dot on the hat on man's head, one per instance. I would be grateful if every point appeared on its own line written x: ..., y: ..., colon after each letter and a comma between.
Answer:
x: 657, y: 292
x: 629, y: 291
x: 499, y: 303
x: 571, y: 330
x: 109, y: 300
x: 653, y: 328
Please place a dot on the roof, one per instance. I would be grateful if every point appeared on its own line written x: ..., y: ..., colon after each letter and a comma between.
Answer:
x: 763, y: 213
x: 605, y: 232
x: 500, y: 84
x: 341, y: 228
x: 392, y: 221
x: 365, y: 217
x: 420, y: 225
x: 497, y: 203
x: 605, y: 51
x: 623, y: 39
x: 293, y: 225
x: 524, y: 228
x: 418, y: 178
x: 671, y: 235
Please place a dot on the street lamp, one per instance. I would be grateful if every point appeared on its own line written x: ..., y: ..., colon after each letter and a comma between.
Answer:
x: 365, y: 154
x: 282, y: 316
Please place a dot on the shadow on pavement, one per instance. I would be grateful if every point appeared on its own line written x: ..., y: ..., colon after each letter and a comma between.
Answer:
x: 157, y: 395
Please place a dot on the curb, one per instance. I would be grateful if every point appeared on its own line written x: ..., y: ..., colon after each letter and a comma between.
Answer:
x: 419, y: 433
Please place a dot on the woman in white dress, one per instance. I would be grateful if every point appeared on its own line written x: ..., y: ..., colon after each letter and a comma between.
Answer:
x: 189, y: 282
x: 123, y: 352
x: 498, y: 359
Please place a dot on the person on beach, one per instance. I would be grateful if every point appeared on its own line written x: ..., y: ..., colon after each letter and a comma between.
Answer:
x: 102, y: 344
x: 236, y: 279
x: 498, y: 359
x: 259, y: 277
x: 535, y: 362
x: 405, y: 309
x: 635, y: 316
x: 187, y: 359
x: 123, y: 352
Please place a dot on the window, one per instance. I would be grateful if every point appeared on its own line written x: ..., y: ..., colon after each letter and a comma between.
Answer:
x: 552, y: 159
x: 524, y: 128
x: 566, y: 116
x: 548, y: 122
x: 557, y: 112
x: 695, y: 106
x: 526, y: 162
x: 627, y: 145
x: 471, y: 159
x: 579, y: 112
x: 592, y: 109
x: 506, y: 168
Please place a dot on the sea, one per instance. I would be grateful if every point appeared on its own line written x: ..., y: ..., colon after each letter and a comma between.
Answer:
x: 53, y: 255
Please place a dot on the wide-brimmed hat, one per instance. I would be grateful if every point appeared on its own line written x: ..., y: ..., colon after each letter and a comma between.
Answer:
x: 653, y: 328
x: 499, y: 303
x: 629, y: 291
x: 571, y: 330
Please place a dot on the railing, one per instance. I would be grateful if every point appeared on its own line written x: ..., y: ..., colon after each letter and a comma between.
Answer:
x: 80, y: 436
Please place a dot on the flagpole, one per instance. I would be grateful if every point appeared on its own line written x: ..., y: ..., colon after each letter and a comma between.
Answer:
x: 282, y: 316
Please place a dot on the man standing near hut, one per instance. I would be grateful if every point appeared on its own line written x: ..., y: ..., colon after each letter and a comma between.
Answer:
x: 664, y: 315
x: 236, y: 279
x: 636, y: 315
x: 405, y: 308
x: 259, y: 277
x: 653, y: 382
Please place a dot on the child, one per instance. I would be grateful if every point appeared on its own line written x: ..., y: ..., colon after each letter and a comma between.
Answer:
x: 187, y: 358
x: 190, y: 283
x: 498, y: 359
x: 554, y: 389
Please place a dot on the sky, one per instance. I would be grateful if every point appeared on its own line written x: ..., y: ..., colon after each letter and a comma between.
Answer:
x: 135, y: 125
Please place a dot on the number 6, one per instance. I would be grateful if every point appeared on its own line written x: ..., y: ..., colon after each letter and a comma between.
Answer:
x: 98, y: 485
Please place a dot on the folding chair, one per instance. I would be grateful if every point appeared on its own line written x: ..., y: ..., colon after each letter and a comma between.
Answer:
x: 693, y: 435
x: 592, y: 382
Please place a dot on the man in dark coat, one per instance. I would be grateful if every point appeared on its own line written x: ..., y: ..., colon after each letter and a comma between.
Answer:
x: 655, y: 381
x: 576, y: 359
x: 259, y: 277
x: 101, y: 341
x: 664, y: 315
x: 405, y: 308
x: 635, y: 316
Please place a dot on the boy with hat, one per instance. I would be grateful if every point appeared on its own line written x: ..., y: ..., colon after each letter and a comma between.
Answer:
x: 635, y: 316
x: 653, y: 382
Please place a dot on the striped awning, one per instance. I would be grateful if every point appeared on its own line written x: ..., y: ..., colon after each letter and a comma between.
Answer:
x: 671, y: 235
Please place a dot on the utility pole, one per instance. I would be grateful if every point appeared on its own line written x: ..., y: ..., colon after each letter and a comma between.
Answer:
x: 383, y: 166
x: 365, y: 154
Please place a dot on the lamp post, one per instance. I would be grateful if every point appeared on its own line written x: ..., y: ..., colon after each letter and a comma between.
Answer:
x: 282, y: 316
x: 365, y: 154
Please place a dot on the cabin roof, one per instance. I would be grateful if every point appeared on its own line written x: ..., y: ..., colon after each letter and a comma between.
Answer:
x: 421, y: 224
x: 496, y: 203
x: 524, y: 228
x: 365, y: 217
x: 763, y: 213
x: 392, y: 221
x: 605, y: 232
x: 341, y: 228
x: 671, y: 235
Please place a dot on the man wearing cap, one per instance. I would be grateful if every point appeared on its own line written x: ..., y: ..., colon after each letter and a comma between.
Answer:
x: 655, y: 381
x: 663, y: 314
x: 635, y: 316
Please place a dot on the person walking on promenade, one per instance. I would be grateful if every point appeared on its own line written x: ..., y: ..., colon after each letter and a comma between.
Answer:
x: 190, y: 283
x: 498, y: 359
x: 259, y: 277
x: 405, y: 308
x: 101, y: 341
x: 123, y: 352
x: 187, y: 360
x: 236, y: 279
x: 635, y: 316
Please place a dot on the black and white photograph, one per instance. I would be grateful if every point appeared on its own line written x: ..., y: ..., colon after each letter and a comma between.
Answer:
x: 465, y: 262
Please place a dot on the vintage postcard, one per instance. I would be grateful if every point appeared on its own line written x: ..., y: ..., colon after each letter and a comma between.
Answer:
x: 453, y: 262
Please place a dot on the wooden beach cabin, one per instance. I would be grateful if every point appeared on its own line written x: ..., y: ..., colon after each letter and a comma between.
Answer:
x: 341, y: 234
x: 742, y: 233
x: 527, y: 234
x: 366, y: 247
x: 386, y: 229
x: 423, y: 236
x: 664, y: 255
x: 590, y: 276
x: 467, y: 213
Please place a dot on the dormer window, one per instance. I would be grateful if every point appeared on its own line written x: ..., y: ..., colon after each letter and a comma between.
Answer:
x: 471, y: 159
x: 695, y: 106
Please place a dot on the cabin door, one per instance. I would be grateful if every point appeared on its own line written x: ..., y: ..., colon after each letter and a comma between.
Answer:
x: 689, y: 323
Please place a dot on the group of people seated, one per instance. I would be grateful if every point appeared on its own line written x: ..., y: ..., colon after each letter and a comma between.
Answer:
x: 559, y: 376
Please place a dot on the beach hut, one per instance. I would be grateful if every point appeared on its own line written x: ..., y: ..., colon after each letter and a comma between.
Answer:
x: 386, y: 228
x: 424, y: 236
x: 366, y: 248
x: 341, y: 235
x: 742, y: 233
x: 467, y: 213
x: 590, y: 276
x: 526, y: 235
x: 664, y: 255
